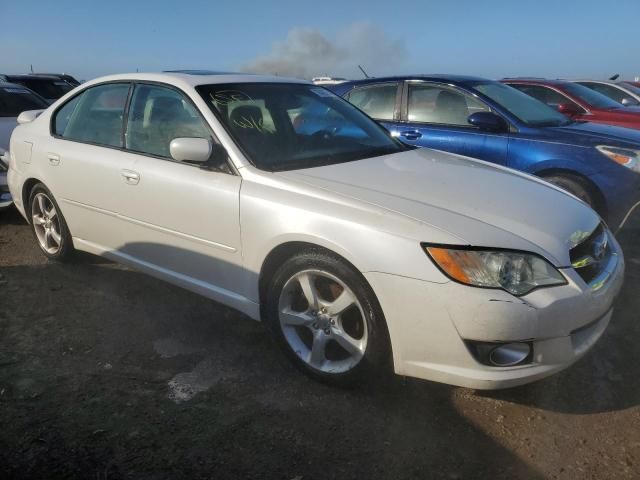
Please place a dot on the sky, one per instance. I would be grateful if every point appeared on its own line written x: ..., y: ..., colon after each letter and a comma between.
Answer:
x: 489, y: 38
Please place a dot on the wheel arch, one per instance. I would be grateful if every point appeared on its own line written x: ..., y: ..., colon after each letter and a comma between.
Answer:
x: 27, y: 187
x: 282, y: 252
x: 601, y: 203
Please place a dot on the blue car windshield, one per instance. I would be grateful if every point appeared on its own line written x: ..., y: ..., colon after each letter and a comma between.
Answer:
x: 285, y: 126
x: 527, y: 109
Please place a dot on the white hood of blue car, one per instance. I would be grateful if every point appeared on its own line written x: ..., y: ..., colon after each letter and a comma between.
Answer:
x: 479, y: 203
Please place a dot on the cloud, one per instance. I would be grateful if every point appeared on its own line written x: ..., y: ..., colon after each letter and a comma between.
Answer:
x: 307, y: 52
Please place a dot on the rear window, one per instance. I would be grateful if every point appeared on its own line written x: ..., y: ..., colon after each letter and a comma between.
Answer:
x: 14, y: 101
x: 50, y: 89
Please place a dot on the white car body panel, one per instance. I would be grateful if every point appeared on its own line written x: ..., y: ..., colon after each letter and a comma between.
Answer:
x: 211, y: 232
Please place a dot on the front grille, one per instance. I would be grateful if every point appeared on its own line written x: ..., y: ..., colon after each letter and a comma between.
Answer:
x: 590, y: 256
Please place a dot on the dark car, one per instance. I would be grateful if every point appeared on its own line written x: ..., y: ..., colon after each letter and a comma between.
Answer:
x: 50, y: 88
x: 14, y: 99
x: 578, y: 102
x: 491, y: 121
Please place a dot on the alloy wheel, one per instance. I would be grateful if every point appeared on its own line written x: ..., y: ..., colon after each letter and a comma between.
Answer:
x: 46, y: 223
x: 322, y: 321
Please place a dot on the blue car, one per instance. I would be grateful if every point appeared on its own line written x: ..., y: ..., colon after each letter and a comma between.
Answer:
x: 491, y: 121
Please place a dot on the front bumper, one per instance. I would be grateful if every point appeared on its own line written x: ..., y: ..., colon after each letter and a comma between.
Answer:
x: 429, y: 324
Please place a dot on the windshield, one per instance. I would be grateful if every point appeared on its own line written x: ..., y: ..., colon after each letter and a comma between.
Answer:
x: 50, y: 89
x: 527, y: 109
x: 591, y: 97
x: 15, y: 100
x: 284, y: 126
x: 631, y: 87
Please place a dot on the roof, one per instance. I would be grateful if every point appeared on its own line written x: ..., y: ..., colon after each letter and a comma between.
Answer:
x: 30, y: 76
x: 436, y: 77
x: 195, y: 78
x: 537, y: 81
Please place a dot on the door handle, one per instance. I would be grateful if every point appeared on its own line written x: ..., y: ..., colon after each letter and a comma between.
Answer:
x: 411, y: 134
x: 131, y: 177
x: 54, y: 158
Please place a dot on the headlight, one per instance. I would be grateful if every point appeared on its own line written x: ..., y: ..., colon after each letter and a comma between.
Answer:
x: 624, y: 156
x: 516, y: 272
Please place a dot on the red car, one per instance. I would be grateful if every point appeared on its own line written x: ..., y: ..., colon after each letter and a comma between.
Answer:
x: 578, y: 102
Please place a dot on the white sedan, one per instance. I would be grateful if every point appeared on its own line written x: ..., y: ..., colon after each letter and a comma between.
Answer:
x: 285, y: 202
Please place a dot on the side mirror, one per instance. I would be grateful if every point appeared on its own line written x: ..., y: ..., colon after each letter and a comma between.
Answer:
x: 568, y: 109
x: 28, y: 116
x: 487, y: 121
x: 628, y: 102
x: 199, y: 151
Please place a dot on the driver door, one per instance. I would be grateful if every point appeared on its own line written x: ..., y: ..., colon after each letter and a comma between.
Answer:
x: 183, y: 220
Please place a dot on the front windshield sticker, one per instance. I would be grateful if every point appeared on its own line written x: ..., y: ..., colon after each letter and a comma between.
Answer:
x: 250, y: 122
x: 226, y: 97
x: 321, y: 92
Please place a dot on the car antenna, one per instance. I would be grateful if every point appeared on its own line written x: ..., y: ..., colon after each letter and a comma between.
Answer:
x: 363, y: 72
x: 614, y: 77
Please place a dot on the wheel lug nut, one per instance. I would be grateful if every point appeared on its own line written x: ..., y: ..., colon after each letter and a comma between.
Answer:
x: 327, y: 331
x: 315, y: 325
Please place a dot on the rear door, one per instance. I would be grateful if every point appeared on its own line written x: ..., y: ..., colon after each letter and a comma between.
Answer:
x: 435, y: 115
x: 84, y: 162
x: 381, y: 101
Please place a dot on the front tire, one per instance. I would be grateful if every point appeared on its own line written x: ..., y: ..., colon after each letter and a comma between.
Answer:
x: 575, y: 186
x: 327, y: 320
x: 48, y: 225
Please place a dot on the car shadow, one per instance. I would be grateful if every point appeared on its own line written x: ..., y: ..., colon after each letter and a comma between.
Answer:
x: 11, y: 216
x: 139, y: 376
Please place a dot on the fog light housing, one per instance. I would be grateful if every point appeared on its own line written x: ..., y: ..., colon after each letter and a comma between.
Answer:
x: 508, y: 354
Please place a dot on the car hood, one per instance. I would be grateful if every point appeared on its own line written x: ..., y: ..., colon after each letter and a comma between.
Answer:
x: 7, y: 124
x: 476, y: 202
x: 592, y: 134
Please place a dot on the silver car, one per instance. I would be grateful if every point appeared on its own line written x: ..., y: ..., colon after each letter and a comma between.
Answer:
x: 622, y: 92
x: 286, y: 202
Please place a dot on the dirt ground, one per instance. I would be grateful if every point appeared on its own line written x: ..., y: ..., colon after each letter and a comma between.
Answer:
x: 106, y: 373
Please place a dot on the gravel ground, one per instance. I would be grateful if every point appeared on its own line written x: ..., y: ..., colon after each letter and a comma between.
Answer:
x: 106, y: 373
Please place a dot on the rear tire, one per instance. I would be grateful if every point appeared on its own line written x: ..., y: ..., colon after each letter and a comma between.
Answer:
x: 325, y: 317
x: 48, y: 225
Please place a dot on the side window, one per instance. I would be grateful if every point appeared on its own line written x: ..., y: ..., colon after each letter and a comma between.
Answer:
x: 94, y: 116
x: 61, y: 120
x: 441, y: 104
x: 378, y: 101
x: 546, y: 95
x: 158, y: 115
